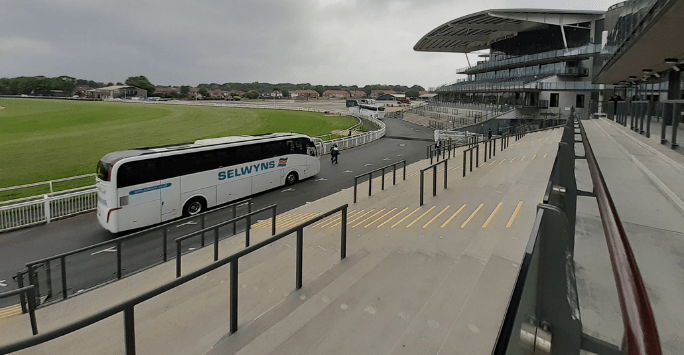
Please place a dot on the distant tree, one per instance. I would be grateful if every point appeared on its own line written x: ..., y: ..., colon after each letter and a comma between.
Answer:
x: 141, y: 82
x: 203, y: 92
x: 118, y: 83
x: 286, y: 93
x: 185, y: 90
x: 28, y: 85
x: 252, y: 94
x: 412, y: 93
x: 110, y: 84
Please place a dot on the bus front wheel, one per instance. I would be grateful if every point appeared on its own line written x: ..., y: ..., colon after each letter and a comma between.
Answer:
x: 194, y: 206
x: 291, y: 178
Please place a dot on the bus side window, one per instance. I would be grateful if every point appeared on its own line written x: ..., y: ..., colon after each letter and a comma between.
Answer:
x: 300, y: 147
x: 290, y: 147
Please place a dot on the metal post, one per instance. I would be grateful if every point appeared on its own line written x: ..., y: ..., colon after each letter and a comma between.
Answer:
x: 233, y: 295
x: 370, y: 183
x: 32, y: 309
x: 273, y: 221
x: 667, y: 112
x: 464, y: 163
x: 421, y: 187
x: 202, y: 227
x: 118, y: 259
x: 46, y: 207
x: 247, y: 229
x: 404, y: 170
x: 164, y: 244
x: 477, y: 155
x: 22, y: 296
x: 64, y: 280
x: 178, y: 258
x: 471, y: 159
x: 235, y: 216
x: 446, y: 170
x: 434, y: 181
x: 300, y: 252
x: 394, y: 174
x: 343, y: 232
x: 129, y: 328
x: 355, y: 184
x: 642, y: 113
x: 485, y: 151
x: 383, y: 180
x: 675, y: 123
x: 216, y: 243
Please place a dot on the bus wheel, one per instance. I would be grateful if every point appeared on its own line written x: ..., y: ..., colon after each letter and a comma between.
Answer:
x: 291, y: 178
x: 194, y: 207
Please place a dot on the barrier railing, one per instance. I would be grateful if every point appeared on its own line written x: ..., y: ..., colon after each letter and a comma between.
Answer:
x: 27, y: 295
x: 543, y: 310
x: 433, y: 167
x: 128, y: 307
x: 51, y: 278
x: 45, y: 208
x: 370, y: 177
x: 215, y: 229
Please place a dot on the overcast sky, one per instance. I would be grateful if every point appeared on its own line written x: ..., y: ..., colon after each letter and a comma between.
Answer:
x: 173, y: 42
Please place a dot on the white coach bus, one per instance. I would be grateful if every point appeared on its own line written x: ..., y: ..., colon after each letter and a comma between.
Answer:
x: 366, y: 108
x: 142, y: 187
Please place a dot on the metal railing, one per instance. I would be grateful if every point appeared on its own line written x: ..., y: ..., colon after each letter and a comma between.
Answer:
x: 370, y: 177
x: 543, y: 310
x: 45, y: 208
x: 27, y: 295
x: 128, y: 307
x: 215, y: 229
x: 50, y: 275
x: 433, y: 167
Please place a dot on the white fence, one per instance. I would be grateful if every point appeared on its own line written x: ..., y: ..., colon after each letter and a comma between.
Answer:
x: 37, y: 210
x: 45, y: 208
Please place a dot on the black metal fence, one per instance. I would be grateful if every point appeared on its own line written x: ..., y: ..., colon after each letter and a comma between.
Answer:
x: 215, y: 229
x: 433, y: 167
x: 128, y: 307
x: 370, y: 177
x: 68, y: 274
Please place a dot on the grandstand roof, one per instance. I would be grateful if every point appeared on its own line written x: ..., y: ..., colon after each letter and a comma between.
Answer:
x: 479, y: 30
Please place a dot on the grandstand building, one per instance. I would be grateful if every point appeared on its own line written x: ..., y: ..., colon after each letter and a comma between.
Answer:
x: 542, y: 63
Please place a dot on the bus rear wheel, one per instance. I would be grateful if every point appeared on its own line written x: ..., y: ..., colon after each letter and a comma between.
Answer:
x: 291, y: 178
x: 194, y: 207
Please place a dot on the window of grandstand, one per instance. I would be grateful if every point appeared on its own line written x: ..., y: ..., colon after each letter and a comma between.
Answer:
x: 579, y: 102
x: 554, y: 100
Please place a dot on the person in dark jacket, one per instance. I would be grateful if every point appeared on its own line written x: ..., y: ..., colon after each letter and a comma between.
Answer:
x: 334, y: 153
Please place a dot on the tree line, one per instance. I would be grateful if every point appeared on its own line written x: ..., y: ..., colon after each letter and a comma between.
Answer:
x: 41, y: 85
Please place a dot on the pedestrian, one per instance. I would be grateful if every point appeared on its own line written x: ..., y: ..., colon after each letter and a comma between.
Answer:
x: 489, y: 134
x: 349, y: 135
x: 334, y: 153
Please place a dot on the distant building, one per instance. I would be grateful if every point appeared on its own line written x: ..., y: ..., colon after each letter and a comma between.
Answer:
x: 117, y: 92
x: 390, y: 97
x: 305, y: 94
x: 166, y: 90
x: 358, y: 94
x: 336, y: 94
x: 376, y: 93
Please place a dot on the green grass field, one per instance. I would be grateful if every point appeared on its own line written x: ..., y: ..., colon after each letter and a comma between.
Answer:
x: 42, y: 140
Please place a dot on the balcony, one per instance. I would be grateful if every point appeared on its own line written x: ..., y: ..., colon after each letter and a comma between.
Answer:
x: 505, y: 61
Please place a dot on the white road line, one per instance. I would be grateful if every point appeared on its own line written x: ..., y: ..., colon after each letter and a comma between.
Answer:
x: 2, y: 283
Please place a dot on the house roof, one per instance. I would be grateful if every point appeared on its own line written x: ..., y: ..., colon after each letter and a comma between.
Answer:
x: 479, y: 30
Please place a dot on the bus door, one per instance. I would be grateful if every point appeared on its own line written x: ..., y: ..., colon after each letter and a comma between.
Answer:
x: 170, y: 199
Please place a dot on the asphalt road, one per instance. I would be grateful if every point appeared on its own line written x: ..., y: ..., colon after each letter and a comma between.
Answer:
x: 408, y: 143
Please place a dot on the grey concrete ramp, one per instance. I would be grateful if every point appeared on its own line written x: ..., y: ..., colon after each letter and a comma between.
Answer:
x: 418, y: 279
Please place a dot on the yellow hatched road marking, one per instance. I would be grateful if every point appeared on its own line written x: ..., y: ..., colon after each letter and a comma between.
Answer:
x: 357, y: 217
x: 472, y: 215
x: 421, y: 216
x: 545, y: 155
x: 391, y: 218
x: 492, y: 163
x: 337, y: 218
x: 534, y: 157
x: 10, y: 311
x: 452, y: 216
x: 371, y: 216
x: 435, y: 217
x: 515, y: 214
x: 379, y: 218
x: 501, y: 162
x: 523, y: 158
x: 512, y: 160
x: 407, y: 216
x: 491, y: 216
x: 304, y: 217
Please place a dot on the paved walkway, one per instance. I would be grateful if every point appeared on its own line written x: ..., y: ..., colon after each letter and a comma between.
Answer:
x: 644, y: 178
x: 418, y: 279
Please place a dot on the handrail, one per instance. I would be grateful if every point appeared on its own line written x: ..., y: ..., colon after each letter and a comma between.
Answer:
x: 641, y: 334
x: 370, y: 177
x: 27, y: 292
x: 30, y: 266
x: 215, y: 228
x: 434, y: 177
x: 127, y: 307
